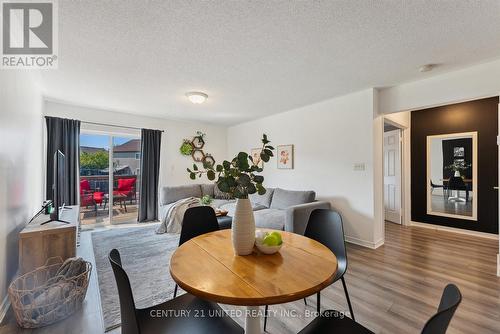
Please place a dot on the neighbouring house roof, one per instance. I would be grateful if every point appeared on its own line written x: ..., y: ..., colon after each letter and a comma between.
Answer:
x: 89, y: 149
x: 133, y: 145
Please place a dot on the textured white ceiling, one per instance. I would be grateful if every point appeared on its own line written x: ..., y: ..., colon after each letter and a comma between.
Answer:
x: 256, y: 58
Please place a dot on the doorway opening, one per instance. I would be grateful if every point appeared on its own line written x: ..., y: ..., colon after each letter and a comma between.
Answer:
x: 109, y: 178
x: 392, y: 173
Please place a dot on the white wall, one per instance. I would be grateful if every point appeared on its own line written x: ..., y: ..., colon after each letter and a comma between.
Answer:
x: 436, y: 163
x: 329, y: 138
x: 20, y: 165
x: 173, y: 164
x: 468, y: 84
x: 400, y: 118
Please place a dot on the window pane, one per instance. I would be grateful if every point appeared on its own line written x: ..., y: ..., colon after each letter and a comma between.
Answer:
x: 94, y: 178
x: 126, y: 174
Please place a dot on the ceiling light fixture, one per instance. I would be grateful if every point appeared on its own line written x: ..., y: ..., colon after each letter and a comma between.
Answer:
x: 197, y: 97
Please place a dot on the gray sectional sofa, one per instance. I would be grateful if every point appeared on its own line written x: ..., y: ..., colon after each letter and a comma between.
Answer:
x: 278, y: 209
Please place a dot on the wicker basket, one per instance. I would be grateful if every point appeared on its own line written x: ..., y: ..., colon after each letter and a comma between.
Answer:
x: 39, y: 298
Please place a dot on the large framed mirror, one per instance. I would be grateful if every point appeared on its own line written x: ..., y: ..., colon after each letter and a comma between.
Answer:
x: 452, y: 175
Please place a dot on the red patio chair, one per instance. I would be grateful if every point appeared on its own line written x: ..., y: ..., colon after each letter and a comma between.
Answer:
x: 86, y: 195
x: 126, y: 187
x: 98, y: 197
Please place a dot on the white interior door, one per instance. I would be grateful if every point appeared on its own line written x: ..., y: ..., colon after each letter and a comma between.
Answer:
x: 392, y: 175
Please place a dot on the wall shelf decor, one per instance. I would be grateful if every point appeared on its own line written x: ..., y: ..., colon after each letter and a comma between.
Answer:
x: 198, y: 155
x: 208, y: 160
x: 198, y: 142
x: 186, y: 147
x: 193, y: 147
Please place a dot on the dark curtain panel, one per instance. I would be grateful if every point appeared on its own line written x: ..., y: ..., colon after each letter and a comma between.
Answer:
x: 150, y: 173
x: 64, y: 135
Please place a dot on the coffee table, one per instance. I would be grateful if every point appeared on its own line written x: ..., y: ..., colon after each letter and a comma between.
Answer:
x: 117, y: 198
x: 224, y: 222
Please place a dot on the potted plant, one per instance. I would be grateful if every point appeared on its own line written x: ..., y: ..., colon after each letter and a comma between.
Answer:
x: 186, y: 147
x: 458, y: 166
x: 206, y: 200
x: 239, y: 178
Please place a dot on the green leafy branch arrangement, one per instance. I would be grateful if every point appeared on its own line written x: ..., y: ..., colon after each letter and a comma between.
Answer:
x: 237, y: 177
x: 458, y: 166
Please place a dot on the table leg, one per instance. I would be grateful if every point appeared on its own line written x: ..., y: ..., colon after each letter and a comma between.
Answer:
x: 252, y: 320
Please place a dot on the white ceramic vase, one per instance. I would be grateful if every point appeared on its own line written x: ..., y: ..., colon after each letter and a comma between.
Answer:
x: 457, y: 173
x: 243, y: 228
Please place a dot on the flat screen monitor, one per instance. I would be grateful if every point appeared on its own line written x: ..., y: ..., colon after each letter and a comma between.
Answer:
x: 58, y: 186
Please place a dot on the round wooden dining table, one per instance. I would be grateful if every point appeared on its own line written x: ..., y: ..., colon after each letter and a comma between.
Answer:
x: 207, y: 267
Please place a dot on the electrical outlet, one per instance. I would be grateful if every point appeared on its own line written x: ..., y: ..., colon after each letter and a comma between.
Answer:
x: 359, y: 166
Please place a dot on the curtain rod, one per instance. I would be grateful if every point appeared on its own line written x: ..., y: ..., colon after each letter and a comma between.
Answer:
x: 116, y: 126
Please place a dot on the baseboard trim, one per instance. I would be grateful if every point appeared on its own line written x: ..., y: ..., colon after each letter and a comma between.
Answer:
x: 455, y: 230
x: 364, y: 243
x: 4, y: 307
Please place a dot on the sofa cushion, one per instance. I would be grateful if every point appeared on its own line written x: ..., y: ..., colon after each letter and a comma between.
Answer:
x: 230, y: 207
x: 207, y: 189
x: 221, y: 203
x: 221, y: 195
x: 270, y: 218
x: 283, y: 199
x: 264, y: 200
x: 173, y: 194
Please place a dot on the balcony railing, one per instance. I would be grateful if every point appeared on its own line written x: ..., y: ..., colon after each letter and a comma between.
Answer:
x: 95, y: 199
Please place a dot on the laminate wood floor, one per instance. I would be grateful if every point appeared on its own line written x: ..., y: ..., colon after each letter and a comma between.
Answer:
x: 393, y: 289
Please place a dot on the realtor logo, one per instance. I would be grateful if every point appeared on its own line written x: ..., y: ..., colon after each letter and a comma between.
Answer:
x: 29, y: 34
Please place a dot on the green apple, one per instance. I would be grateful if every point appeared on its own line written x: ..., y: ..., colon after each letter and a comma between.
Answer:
x: 270, y: 240
x: 278, y: 236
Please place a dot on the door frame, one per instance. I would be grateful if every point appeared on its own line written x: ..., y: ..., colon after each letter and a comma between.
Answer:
x: 111, y: 134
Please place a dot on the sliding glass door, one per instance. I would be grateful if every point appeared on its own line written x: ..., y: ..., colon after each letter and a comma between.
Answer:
x: 126, y: 174
x: 109, y: 178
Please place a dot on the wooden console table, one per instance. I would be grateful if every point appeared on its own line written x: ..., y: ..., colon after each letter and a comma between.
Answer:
x: 39, y: 242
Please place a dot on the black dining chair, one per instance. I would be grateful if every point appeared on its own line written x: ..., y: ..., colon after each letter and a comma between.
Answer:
x: 443, y: 186
x: 325, y: 226
x: 332, y: 321
x: 178, y: 315
x: 197, y: 221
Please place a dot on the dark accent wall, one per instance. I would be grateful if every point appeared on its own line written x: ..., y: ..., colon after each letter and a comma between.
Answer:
x: 479, y: 115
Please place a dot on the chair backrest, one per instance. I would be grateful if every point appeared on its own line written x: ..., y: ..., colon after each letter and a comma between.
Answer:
x: 325, y: 226
x: 84, y: 186
x: 433, y: 185
x: 197, y: 221
x: 126, y: 184
x: 127, y: 305
x: 439, y: 322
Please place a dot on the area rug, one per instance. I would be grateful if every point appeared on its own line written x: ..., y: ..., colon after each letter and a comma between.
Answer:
x: 145, y: 257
